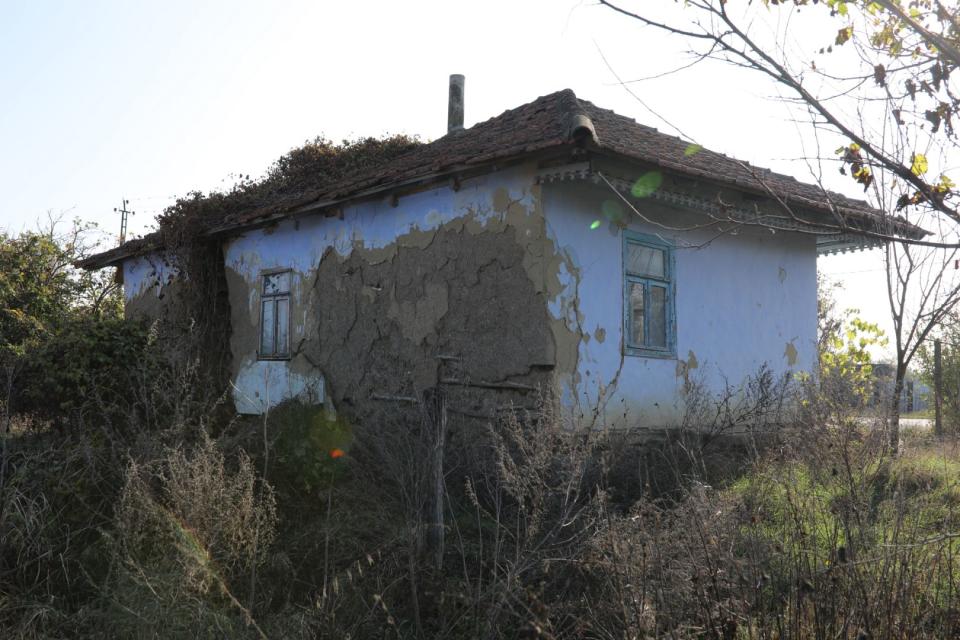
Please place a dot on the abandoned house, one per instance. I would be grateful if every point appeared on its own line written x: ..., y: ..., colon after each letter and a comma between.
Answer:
x: 557, y: 243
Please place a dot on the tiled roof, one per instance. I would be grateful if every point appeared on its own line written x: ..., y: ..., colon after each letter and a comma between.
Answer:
x: 624, y: 136
x: 542, y: 124
x: 552, y: 121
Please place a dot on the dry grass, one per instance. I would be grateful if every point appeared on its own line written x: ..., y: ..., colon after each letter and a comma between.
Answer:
x: 551, y: 530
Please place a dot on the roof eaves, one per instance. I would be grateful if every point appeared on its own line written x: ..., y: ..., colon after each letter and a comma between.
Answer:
x: 340, y: 197
x: 113, y: 257
x: 832, y: 202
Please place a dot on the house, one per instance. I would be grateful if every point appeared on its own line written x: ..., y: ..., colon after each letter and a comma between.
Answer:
x: 916, y: 395
x: 557, y: 243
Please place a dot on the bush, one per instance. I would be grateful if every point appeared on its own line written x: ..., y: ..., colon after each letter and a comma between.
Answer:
x: 549, y: 529
x: 190, y: 534
x: 88, y: 371
x: 304, y: 443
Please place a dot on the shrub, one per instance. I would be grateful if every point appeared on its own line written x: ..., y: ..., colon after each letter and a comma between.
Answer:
x: 88, y: 371
x: 304, y: 445
x: 190, y: 534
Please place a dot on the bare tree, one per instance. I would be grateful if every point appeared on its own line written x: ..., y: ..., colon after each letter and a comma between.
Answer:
x: 877, y: 77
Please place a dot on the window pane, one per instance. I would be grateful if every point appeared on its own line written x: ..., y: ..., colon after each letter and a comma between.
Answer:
x: 657, y: 331
x: 267, y: 325
x: 636, y: 314
x: 644, y: 261
x: 275, y: 283
x: 283, y: 324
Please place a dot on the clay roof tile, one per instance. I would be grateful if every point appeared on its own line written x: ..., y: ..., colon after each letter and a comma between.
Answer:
x: 550, y: 121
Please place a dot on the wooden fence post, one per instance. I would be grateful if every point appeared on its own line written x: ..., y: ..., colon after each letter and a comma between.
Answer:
x: 937, y: 388
x: 435, y: 414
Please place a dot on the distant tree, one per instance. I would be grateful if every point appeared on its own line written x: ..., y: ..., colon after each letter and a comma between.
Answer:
x: 846, y: 342
x: 877, y: 78
x: 949, y: 334
x: 41, y: 292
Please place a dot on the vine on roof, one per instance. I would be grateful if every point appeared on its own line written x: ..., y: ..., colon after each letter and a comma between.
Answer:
x: 200, y: 314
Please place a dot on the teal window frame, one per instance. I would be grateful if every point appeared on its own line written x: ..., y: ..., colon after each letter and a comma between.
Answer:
x: 667, y: 282
x: 279, y: 349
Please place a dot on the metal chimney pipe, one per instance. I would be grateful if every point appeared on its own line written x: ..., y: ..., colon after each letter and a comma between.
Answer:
x: 455, y: 103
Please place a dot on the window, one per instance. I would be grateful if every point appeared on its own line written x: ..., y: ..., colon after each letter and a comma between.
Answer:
x: 648, y: 296
x: 275, y: 316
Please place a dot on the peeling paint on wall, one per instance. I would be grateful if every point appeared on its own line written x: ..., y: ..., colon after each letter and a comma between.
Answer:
x: 721, y: 285
x: 382, y: 291
x: 506, y: 276
x: 684, y: 367
x: 790, y: 353
x: 149, y: 284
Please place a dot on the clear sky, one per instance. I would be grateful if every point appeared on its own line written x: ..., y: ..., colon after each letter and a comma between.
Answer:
x: 102, y: 100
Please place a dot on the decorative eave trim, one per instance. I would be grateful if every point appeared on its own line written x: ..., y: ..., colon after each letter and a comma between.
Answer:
x: 829, y: 241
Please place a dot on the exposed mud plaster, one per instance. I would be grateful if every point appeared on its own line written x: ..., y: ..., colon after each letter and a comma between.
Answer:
x: 150, y: 285
x: 501, y: 199
x: 418, y: 318
x: 462, y: 294
x: 508, y: 275
x: 466, y: 274
x: 732, y: 310
x: 790, y: 353
x: 244, y: 322
x: 566, y: 319
x: 684, y: 367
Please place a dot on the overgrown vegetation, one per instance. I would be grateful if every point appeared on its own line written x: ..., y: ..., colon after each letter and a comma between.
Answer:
x: 199, y: 321
x: 134, y: 504
x: 552, y: 531
x: 949, y: 335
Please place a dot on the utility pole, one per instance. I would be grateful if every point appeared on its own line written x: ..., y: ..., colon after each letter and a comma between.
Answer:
x: 124, y: 213
x: 937, y: 388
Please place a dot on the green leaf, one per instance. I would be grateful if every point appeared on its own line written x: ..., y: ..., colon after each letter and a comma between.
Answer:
x: 595, y: 225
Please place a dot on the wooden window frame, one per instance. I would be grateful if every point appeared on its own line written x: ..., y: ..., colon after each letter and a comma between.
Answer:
x: 265, y: 298
x: 667, y: 282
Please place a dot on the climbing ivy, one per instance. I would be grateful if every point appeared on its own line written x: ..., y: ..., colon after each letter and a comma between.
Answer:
x: 199, y: 317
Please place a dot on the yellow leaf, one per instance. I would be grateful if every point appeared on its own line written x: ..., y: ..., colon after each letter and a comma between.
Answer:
x: 918, y: 164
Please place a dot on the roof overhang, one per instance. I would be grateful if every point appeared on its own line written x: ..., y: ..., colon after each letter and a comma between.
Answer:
x: 451, y: 176
x: 829, y: 239
x: 578, y: 160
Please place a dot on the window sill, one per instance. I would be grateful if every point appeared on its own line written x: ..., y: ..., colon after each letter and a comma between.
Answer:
x: 273, y: 358
x: 640, y: 352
